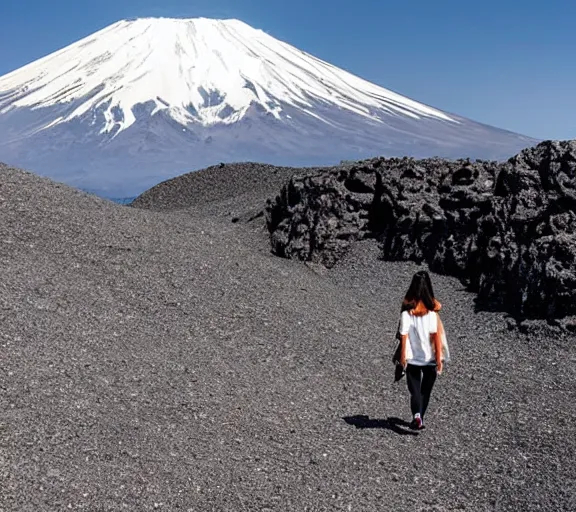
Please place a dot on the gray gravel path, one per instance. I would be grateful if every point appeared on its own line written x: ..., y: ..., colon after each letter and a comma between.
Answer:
x: 164, y: 360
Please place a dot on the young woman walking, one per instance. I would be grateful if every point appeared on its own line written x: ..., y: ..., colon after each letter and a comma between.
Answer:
x: 423, y: 348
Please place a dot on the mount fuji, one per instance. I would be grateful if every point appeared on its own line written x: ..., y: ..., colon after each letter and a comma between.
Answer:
x: 144, y: 100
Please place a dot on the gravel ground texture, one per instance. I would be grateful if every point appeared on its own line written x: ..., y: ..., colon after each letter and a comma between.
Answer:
x: 161, y: 358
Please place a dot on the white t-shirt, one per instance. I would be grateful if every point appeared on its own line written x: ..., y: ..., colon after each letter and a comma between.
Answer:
x: 419, y: 350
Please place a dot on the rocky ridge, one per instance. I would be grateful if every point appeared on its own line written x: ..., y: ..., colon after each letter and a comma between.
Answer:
x: 507, y: 230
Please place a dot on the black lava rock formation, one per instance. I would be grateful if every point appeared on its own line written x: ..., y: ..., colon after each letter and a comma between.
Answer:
x: 508, y: 230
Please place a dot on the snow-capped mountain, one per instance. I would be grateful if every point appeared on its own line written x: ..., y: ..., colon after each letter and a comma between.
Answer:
x: 144, y: 100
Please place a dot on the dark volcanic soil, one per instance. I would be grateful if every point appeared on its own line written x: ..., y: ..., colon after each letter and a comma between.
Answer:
x: 165, y: 360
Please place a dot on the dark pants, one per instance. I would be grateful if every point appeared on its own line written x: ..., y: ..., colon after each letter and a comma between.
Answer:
x: 420, y: 381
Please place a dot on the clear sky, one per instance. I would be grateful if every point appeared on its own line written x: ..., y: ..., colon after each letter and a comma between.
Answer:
x: 508, y: 63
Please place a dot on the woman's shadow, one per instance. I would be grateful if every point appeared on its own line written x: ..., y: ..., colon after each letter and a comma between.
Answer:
x: 396, y: 425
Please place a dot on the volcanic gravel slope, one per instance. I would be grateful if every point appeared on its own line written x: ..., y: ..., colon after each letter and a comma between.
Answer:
x: 165, y: 360
x: 244, y: 186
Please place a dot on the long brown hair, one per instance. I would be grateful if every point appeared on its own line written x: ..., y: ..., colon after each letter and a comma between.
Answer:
x: 420, y: 291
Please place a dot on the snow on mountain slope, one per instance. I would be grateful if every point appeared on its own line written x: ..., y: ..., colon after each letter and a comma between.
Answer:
x: 143, y: 100
x: 199, y: 70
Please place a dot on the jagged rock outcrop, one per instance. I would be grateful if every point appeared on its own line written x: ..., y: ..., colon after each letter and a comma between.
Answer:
x: 506, y: 229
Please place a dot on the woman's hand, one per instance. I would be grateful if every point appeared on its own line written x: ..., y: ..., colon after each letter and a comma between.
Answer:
x: 403, y: 361
x: 439, y: 367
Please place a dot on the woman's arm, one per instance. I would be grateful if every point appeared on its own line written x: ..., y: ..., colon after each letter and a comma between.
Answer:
x: 437, y: 343
x: 403, y: 341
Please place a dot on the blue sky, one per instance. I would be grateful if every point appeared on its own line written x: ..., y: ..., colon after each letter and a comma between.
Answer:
x: 506, y: 63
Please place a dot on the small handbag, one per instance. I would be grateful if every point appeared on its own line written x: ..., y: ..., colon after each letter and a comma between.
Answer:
x: 399, y: 370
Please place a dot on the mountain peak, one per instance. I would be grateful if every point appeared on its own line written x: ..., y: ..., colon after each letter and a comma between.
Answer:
x: 199, y: 70
x: 202, y: 19
x: 212, y: 90
x: 200, y: 22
